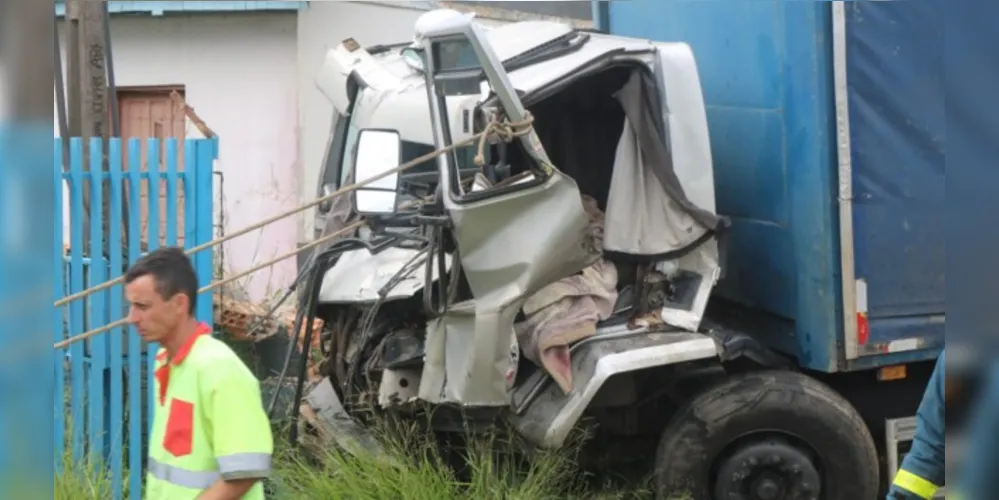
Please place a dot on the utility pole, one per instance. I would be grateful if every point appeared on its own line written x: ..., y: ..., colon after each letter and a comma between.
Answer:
x: 87, y: 93
x: 73, y: 68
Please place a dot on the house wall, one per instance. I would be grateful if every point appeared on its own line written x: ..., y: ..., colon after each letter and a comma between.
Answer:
x: 239, y: 73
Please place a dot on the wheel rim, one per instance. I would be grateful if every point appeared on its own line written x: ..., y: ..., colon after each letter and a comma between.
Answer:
x: 767, y: 468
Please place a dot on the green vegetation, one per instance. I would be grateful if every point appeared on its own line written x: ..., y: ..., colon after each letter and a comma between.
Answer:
x: 412, y: 469
x: 83, y: 480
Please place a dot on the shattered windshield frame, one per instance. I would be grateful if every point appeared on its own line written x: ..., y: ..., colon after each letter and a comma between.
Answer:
x: 419, y: 181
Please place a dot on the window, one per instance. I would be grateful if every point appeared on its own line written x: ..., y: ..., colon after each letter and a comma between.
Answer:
x: 457, y: 55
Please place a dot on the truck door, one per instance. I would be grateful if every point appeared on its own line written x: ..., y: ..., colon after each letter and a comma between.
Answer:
x: 513, y: 237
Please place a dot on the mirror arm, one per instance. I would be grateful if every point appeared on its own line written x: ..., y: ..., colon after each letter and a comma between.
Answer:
x: 435, y: 221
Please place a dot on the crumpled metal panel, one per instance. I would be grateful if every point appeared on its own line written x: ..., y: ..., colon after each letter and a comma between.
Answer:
x: 511, y: 246
x: 358, y: 276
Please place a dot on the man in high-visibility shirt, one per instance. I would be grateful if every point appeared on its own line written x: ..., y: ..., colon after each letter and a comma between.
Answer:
x: 922, y: 472
x: 211, y: 439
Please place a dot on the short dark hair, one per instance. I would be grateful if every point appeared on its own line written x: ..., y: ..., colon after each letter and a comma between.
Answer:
x: 172, y: 271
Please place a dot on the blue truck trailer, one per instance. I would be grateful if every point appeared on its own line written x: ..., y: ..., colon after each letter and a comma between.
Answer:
x: 827, y: 131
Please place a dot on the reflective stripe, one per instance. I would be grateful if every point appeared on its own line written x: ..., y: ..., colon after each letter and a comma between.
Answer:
x: 245, y: 465
x: 196, y: 480
x: 915, y: 484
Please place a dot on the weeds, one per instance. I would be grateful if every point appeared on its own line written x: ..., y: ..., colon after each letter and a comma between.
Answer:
x: 83, y: 480
x: 415, y: 469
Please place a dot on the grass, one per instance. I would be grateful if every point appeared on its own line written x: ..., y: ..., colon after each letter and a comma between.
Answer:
x: 413, y: 469
x: 83, y: 480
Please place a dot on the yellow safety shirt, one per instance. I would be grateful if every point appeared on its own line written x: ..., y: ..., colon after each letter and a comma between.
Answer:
x: 208, y: 422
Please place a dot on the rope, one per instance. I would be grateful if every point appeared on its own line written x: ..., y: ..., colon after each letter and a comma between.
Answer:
x: 218, y: 284
x: 506, y: 131
x: 502, y: 130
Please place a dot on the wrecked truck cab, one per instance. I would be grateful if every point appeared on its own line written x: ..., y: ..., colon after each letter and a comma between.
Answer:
x: 586, y: 247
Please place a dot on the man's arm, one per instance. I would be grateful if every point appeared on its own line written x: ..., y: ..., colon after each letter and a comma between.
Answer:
x: 228, y: 490
x: 241, y: 432
x: 923, y: 470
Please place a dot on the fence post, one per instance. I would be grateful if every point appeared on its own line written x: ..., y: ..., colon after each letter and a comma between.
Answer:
x: 204, y: 261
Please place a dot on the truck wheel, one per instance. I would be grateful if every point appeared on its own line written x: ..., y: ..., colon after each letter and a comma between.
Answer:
x: 771, y: 435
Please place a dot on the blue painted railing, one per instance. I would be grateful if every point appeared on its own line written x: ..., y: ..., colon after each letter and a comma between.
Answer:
x: 103, y: 384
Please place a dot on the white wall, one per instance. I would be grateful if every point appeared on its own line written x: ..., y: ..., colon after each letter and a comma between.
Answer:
x: 239, y: 72
x: 321, y: 26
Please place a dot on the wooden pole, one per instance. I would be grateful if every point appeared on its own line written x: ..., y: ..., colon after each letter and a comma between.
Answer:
x: 73, y: 67
x: 74, y: 95
x: 93, y: 76
x: 88, y: 87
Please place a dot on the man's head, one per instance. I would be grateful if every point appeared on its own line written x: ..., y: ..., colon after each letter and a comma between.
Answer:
x: 161, y: 289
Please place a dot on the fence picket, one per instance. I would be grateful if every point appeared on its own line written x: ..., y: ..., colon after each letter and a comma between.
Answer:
x: 204, y: 261
x: 116, y: 351
x: 108, y: 388
x: 59, y: 317
x: 190, y: 159
x: 135, y: 406
x: 152, y: 242
x: 171, y: 190
x: 96, y: 314
x: 76, y: 323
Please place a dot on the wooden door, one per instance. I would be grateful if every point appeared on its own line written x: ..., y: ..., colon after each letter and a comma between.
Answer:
x: 145, y: 113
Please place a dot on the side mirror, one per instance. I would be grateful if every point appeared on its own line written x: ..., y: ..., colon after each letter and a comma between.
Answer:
x: 378, y: 151
x: 325, y: 206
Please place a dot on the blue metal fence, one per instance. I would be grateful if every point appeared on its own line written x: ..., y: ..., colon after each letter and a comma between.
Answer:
x: 103, y: 384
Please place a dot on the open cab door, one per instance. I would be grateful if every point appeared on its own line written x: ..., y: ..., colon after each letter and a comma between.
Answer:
x: 514, y: 236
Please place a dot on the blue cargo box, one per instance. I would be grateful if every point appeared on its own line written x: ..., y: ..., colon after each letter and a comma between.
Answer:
x: 827, y: 130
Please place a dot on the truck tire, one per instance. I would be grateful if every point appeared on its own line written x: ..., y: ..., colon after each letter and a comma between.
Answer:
x: 771, y: 435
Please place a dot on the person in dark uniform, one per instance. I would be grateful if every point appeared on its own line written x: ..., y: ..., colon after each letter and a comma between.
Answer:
x: 922, y: 472
x: 977, y: 477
